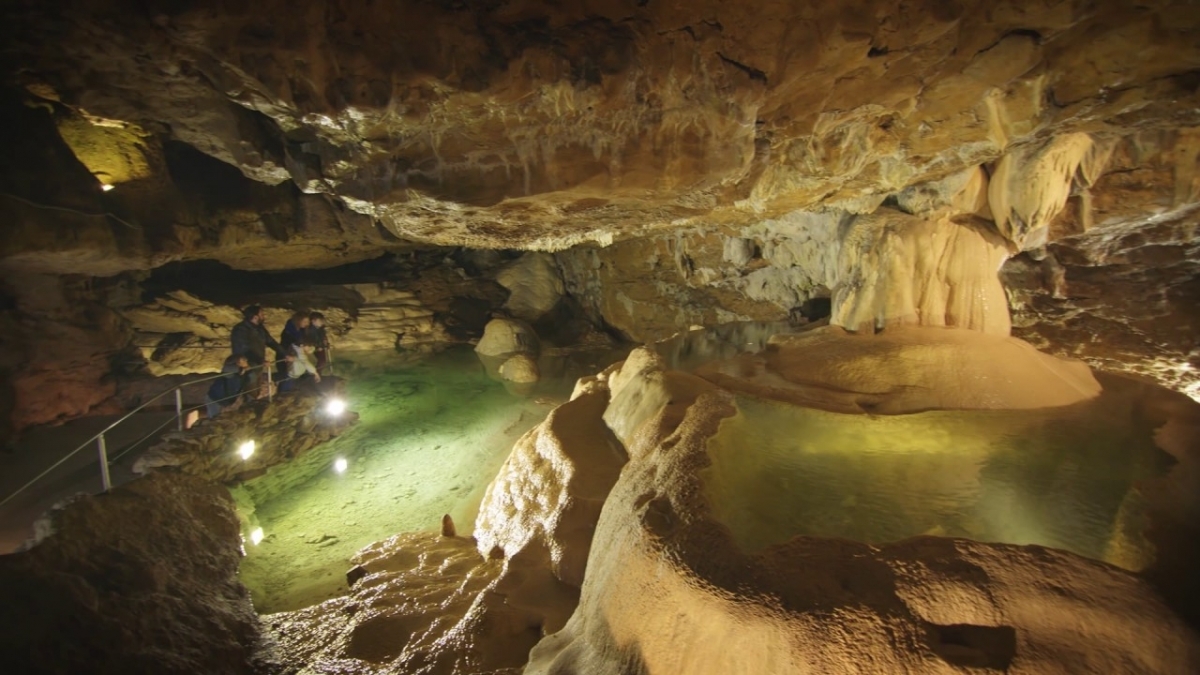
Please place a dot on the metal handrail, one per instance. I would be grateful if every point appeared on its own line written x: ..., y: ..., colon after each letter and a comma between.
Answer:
x: 99, y: 437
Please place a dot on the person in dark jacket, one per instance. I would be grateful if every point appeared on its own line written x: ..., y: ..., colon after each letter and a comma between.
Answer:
x: 225, y: 391
x: 251, y: 339
x: 294, y: 331
x: 292, y: 336
x: 318, y: 339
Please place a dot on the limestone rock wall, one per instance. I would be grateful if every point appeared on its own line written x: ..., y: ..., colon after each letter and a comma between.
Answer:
x: 710, y: 154
x: 58, y: 338
x: 142, y: 579
x: 181, y: 205
x: 651, y: 288
x: 1117, y: 284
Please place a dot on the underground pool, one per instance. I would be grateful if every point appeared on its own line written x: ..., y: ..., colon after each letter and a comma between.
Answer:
x: 1067, y: 478
x: 432, y: 433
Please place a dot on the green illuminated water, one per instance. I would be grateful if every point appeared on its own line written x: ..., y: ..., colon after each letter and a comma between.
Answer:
x: 1065, y: 478
x: 432, y: 434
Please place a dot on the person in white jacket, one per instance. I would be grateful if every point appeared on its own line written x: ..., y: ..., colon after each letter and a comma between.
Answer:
x: 299, y: 365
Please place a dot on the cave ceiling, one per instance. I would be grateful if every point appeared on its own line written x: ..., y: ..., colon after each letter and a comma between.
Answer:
x: 540, y: 125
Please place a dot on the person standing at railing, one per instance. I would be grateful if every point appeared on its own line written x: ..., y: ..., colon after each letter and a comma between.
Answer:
x: 300, y: 368
x: 294, y: 331
x: 293, y: 334
x: 226, y: 391
x: 251, y: 339
x: 318, y: 339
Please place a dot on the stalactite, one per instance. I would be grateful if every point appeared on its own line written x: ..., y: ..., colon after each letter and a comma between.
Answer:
x: 1030, y: 186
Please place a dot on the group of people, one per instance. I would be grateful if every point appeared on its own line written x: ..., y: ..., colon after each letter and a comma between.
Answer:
x: 301, y: 353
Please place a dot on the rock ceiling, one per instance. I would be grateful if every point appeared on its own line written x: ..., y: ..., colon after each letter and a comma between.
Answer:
x: 542, y: 125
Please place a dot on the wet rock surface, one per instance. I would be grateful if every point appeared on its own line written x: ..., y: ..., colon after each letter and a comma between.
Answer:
x: 1123, y: 299
x: 429, y: 603
x: 672, y: 591
x: 283, y: 430
x: 139, y: 580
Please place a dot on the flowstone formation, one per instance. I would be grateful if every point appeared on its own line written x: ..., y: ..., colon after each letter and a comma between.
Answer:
x: 673, y: 593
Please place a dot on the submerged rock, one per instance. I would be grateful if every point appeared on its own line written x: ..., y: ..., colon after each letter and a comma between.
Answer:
x: 520, y: 368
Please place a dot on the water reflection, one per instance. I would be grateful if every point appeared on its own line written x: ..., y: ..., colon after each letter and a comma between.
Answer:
x: 1064, y: 477
x: 690, y: 349
x: 434, y: 429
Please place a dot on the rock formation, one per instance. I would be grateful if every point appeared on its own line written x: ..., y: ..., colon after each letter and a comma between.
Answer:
x: 906, y: 369
x: 434, y: 604
x: 692, y: 165
x: 942, y: 180
x: 108, y: 590
x: 673, y: 593
x: 282, y: 429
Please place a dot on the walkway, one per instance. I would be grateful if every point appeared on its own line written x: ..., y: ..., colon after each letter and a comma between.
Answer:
x: 41, y: 447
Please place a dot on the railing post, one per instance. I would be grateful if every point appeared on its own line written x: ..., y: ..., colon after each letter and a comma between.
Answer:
x: 270, y: 381
x: 104, y: 479
x: 178, y: 409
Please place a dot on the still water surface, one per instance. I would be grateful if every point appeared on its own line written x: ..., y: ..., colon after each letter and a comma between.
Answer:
x: 1065, y: 477
x: 433, y: 432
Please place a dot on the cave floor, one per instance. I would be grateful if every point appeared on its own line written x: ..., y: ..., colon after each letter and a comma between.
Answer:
x: 431, y: 436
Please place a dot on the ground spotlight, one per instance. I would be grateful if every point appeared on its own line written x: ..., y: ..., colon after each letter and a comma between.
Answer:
x: 340, y: 464
x: 335, y: 407
x: 256, y: 536
x: 106, y: 187
x: 246, y: 449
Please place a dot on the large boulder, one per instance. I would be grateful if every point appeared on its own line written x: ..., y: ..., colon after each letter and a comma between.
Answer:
x: 534, y: 283
x: 507, y: 336
x: 520, y: 369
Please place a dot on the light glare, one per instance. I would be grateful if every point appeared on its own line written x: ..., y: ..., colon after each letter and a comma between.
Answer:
x: 246, y: 449
x: 256, y: 536
x: 339, y: 465
x: 335, y: 406
x: 106, y: 187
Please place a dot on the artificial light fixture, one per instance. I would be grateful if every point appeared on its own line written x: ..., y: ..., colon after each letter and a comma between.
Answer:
x: 245, y: 450
x: 335, y: 407
x: 106, y: 187
x: 340, y: 464
x: 256, y: 536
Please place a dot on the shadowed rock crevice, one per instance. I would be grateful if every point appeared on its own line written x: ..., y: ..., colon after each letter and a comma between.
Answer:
x: 965, y: 645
